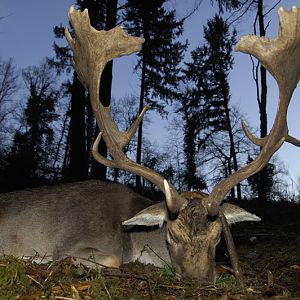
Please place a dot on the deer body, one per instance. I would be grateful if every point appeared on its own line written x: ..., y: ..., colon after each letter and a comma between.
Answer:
x: 82, y: 219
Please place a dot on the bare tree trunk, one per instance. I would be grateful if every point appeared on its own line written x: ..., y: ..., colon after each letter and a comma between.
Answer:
x: 77, y: 169
x: 90, y: 131
x: 64, y: 128
x: 229, y: 172
x: 138, y: 182
x: 66, y: 161
x: 99, y: 170
x: 262, y: 191
x: 232, y: 149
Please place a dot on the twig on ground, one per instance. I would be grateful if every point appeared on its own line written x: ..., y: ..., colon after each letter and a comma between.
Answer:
x: 139, y: 277
x: 35, y: 281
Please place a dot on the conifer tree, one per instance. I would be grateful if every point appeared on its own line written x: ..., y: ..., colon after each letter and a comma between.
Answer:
x: 158, y: 62
x: 205, y: 101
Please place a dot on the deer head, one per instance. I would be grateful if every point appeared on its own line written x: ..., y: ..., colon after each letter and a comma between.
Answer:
x: 194, y: 221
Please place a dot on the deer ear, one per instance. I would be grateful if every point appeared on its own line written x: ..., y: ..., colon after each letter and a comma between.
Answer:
x: 236, y: 214
x: 153, y: 215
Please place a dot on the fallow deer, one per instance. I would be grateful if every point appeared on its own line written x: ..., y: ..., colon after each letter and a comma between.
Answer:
x: 85, y: 219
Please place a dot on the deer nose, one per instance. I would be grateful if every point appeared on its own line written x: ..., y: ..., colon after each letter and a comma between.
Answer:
x: 200, y: 275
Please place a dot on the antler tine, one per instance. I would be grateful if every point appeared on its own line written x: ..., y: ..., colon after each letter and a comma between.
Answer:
x: 257, y: 141
x: 92, y: 49
x: 277, y: 56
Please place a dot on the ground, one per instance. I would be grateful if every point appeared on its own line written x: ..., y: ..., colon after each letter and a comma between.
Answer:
x: 269, y: 256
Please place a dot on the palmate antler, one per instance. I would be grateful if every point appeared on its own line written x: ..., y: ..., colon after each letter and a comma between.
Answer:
x: 92, y: 49
x: 281, y: 57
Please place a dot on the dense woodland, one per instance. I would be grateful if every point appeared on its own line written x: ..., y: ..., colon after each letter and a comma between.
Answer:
x: 49, y: 138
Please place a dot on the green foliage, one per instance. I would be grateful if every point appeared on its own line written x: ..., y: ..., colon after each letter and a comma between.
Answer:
x: 168, y: 271
x: 227, y: 281
x: 12, y: 277
x: 286, y: 294
x: 101, y: 289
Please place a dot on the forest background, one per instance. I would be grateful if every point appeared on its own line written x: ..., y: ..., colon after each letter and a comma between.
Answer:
x: 199, y: 88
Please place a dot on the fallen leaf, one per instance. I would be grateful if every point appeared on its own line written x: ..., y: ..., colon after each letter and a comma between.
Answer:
x: 295, y: 267
x: 250, y: 290
x: 83, y: 287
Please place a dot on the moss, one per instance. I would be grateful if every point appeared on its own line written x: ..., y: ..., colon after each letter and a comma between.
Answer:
x: 13, y: 277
